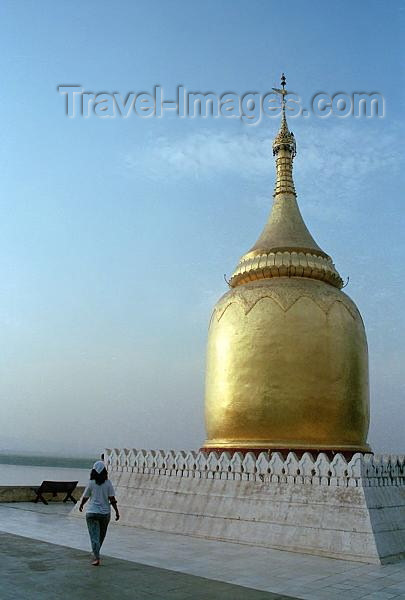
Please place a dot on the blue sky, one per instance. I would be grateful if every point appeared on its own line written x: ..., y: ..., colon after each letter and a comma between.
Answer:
x: 115, y: 233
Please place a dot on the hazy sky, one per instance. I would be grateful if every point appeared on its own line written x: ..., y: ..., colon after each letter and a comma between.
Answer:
x: 115, y: 233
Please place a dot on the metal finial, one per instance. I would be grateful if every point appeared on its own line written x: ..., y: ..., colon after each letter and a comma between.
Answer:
x: 282, y: 91
x: 285, y: 137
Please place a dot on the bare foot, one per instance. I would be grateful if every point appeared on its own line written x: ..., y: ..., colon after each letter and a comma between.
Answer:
x: 96, y: 562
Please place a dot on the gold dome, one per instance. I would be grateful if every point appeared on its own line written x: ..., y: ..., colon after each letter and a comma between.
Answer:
x: 287, y: 364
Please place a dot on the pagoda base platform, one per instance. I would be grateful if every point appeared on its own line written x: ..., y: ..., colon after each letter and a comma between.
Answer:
x: 348, y: 510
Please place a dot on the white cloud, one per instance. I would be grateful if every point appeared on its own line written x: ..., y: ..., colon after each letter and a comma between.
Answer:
x: 201, y: 155
x: 346, y: 152
x: 337, y: 150
x: 338, y: 160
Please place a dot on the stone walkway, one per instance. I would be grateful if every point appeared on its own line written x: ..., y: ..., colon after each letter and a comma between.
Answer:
x: 193, y: 560
x: 38, y: 570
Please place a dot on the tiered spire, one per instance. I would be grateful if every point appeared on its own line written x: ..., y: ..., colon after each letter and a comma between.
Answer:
x: 285, y: 247
x: 284, y: 149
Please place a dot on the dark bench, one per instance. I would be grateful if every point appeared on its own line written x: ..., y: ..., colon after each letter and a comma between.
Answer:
x: 55, y: 488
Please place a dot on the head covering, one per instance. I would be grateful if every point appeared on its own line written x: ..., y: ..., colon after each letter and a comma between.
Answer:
x: 99, y: 466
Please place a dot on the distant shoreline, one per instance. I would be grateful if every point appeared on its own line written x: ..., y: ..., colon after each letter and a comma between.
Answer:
x: 46, y: 461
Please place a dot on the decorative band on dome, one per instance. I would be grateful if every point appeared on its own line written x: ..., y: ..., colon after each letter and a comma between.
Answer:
x: 286, y: 264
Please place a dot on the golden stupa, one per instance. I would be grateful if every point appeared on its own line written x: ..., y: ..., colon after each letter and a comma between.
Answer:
x: 287, y: 361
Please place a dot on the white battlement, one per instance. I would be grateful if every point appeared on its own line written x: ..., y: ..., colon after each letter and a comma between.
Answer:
x: 363, y: 470
x: 331, y: 507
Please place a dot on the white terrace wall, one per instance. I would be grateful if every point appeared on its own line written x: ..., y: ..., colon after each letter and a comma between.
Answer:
x: 353, y: 510
x: 362, y: 470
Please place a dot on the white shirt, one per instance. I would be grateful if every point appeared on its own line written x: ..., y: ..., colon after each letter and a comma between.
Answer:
x: 98, y: 497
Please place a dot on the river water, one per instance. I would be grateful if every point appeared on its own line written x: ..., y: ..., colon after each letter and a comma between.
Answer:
x: 32, y: 470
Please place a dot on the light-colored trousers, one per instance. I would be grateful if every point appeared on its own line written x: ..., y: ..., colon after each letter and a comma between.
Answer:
x: 97, y: 525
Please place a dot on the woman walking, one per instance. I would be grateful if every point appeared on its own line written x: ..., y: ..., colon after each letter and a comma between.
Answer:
x: 101, y: 494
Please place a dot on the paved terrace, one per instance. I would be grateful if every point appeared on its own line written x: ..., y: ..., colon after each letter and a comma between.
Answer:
x: 140, y: 564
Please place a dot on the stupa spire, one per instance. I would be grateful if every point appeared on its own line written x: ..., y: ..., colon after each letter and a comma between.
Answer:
x: 285, y: 247
x: 287, y: 366
x: 284, y: 149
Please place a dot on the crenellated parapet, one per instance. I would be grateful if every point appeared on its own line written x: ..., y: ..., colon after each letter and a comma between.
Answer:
x: 363, y: 470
